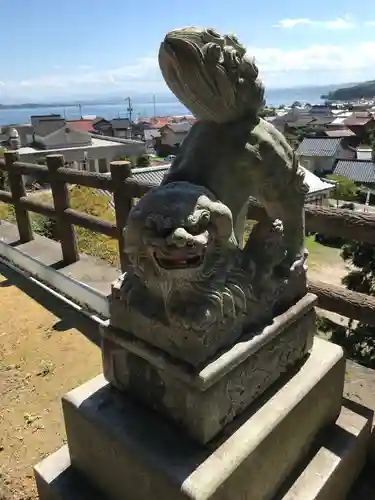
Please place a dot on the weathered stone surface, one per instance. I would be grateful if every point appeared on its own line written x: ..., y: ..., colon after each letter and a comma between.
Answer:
x: 130, y: 452
x: 57, y: 480
x: 197, y: 331
x: 202, y: 402
x: 337, y: 460
x: 191, y: 281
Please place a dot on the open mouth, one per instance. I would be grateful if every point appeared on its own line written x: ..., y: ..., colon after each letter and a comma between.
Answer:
x: 179, y: 262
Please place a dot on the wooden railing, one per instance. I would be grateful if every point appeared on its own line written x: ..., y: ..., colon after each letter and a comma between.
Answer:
x: 120, y: 183
x: 334, y: 222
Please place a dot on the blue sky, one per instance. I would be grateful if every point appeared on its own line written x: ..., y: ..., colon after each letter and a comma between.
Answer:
x: 73, y: 48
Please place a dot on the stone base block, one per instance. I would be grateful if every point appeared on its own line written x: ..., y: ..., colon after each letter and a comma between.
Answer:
x: 204, y: 401
x: 338, y: 459
x: 328, y: 474
x: 56, y: 479
x: 128, y: 451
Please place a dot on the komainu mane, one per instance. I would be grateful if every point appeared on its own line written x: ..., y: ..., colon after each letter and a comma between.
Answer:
x: 191, y: 280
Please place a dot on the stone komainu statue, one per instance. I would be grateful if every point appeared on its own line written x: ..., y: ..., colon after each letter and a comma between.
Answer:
x: 191, y: 280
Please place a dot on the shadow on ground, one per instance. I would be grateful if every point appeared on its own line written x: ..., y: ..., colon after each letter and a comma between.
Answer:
x: 69, y: 318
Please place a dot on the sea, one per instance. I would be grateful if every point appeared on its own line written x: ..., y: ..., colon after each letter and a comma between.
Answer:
x: 274, y: 97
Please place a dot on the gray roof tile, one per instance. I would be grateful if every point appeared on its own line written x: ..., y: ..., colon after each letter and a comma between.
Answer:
x: 179, y: 128
x: 356, y: 170
x: 150, y: 175
x: 311, y: 146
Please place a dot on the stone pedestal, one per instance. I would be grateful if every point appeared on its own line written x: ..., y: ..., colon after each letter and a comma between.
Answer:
x: 274, y: 450
x: 203, y: 401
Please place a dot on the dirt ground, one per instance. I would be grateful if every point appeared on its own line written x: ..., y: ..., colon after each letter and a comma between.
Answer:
x: 43, y: 355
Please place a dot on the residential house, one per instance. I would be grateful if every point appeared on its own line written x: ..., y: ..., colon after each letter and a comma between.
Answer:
x: 81, y: 150
x: 102, y: 126
x: 320, y: 110
x: 318, y: 155
x: 318, y: 194
x: 347, y: 136
x: 361, y: 123
x: 121, y: 127
x: 117, y: 127
x: 321, y: 122
x: 83, y: 125
x: 363, y: 153
x: 295, y: 117
x: 319, y: 190
x: 359, y: 171
x: 150, y: 135
x: 173, y: 134
x: 54, y: 133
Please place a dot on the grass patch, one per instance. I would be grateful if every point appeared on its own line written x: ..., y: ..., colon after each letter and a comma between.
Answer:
x: 86, y: 200
x: 321, y: 254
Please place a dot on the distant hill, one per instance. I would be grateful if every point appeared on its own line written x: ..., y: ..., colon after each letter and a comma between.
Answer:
x: 352, y: 92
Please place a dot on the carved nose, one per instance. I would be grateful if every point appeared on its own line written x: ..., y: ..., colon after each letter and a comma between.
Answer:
x: 179, y: 237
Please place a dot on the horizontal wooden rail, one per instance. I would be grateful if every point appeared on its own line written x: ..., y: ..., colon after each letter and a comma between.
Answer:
x: 345, y: 224
x: 340, y: 300
x: 88, y: 179
x: 90, y: 222
x: 24, y: 168
x: 37, y: 206
x: 6, y: 197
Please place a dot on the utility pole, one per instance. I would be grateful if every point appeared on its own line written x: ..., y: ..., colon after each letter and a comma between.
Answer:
x: 154, y: 102
x: 130, y: 112
x: 130, y: 109
x: 80, y: 110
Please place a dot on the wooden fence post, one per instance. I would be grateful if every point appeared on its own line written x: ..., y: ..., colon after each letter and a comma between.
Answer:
x: 120, y: 171
x: 17, y: 188
x: 60, y: 196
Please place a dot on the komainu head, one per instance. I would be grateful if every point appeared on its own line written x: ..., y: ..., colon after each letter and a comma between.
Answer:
x: 211, y: 74
x: 179, y: 235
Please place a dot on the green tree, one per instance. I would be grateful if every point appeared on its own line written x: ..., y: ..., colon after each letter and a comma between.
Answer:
x: 360, y: 341
x: 143, y: 161
x: 345, y: 189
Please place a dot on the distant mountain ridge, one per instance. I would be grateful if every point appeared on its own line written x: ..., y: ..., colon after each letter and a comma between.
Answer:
x: 353, y: 92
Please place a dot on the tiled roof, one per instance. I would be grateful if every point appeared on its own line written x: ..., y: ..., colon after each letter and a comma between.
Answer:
x: 150, y: 175
x: 120, y: 123
x: 344, y: 132
x: 300, y: 122
x: 322, y: 120
x: 357, y: 121
x: 179, y: 128
x: 356, y: 170
x: 48, y: 126
x: 154, y: 176
x: 311, y: 146
x: 315, y: 183
x: 150, y: 134
x: 81, y: 125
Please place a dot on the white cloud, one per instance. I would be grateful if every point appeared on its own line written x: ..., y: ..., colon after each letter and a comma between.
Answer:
x: 370, y: 23
x: 316, y: 64
x: 291, y: 23
x: 312, y: 65
x: 340, y: 23
x: 86, y: 76
x: 84, y: 81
